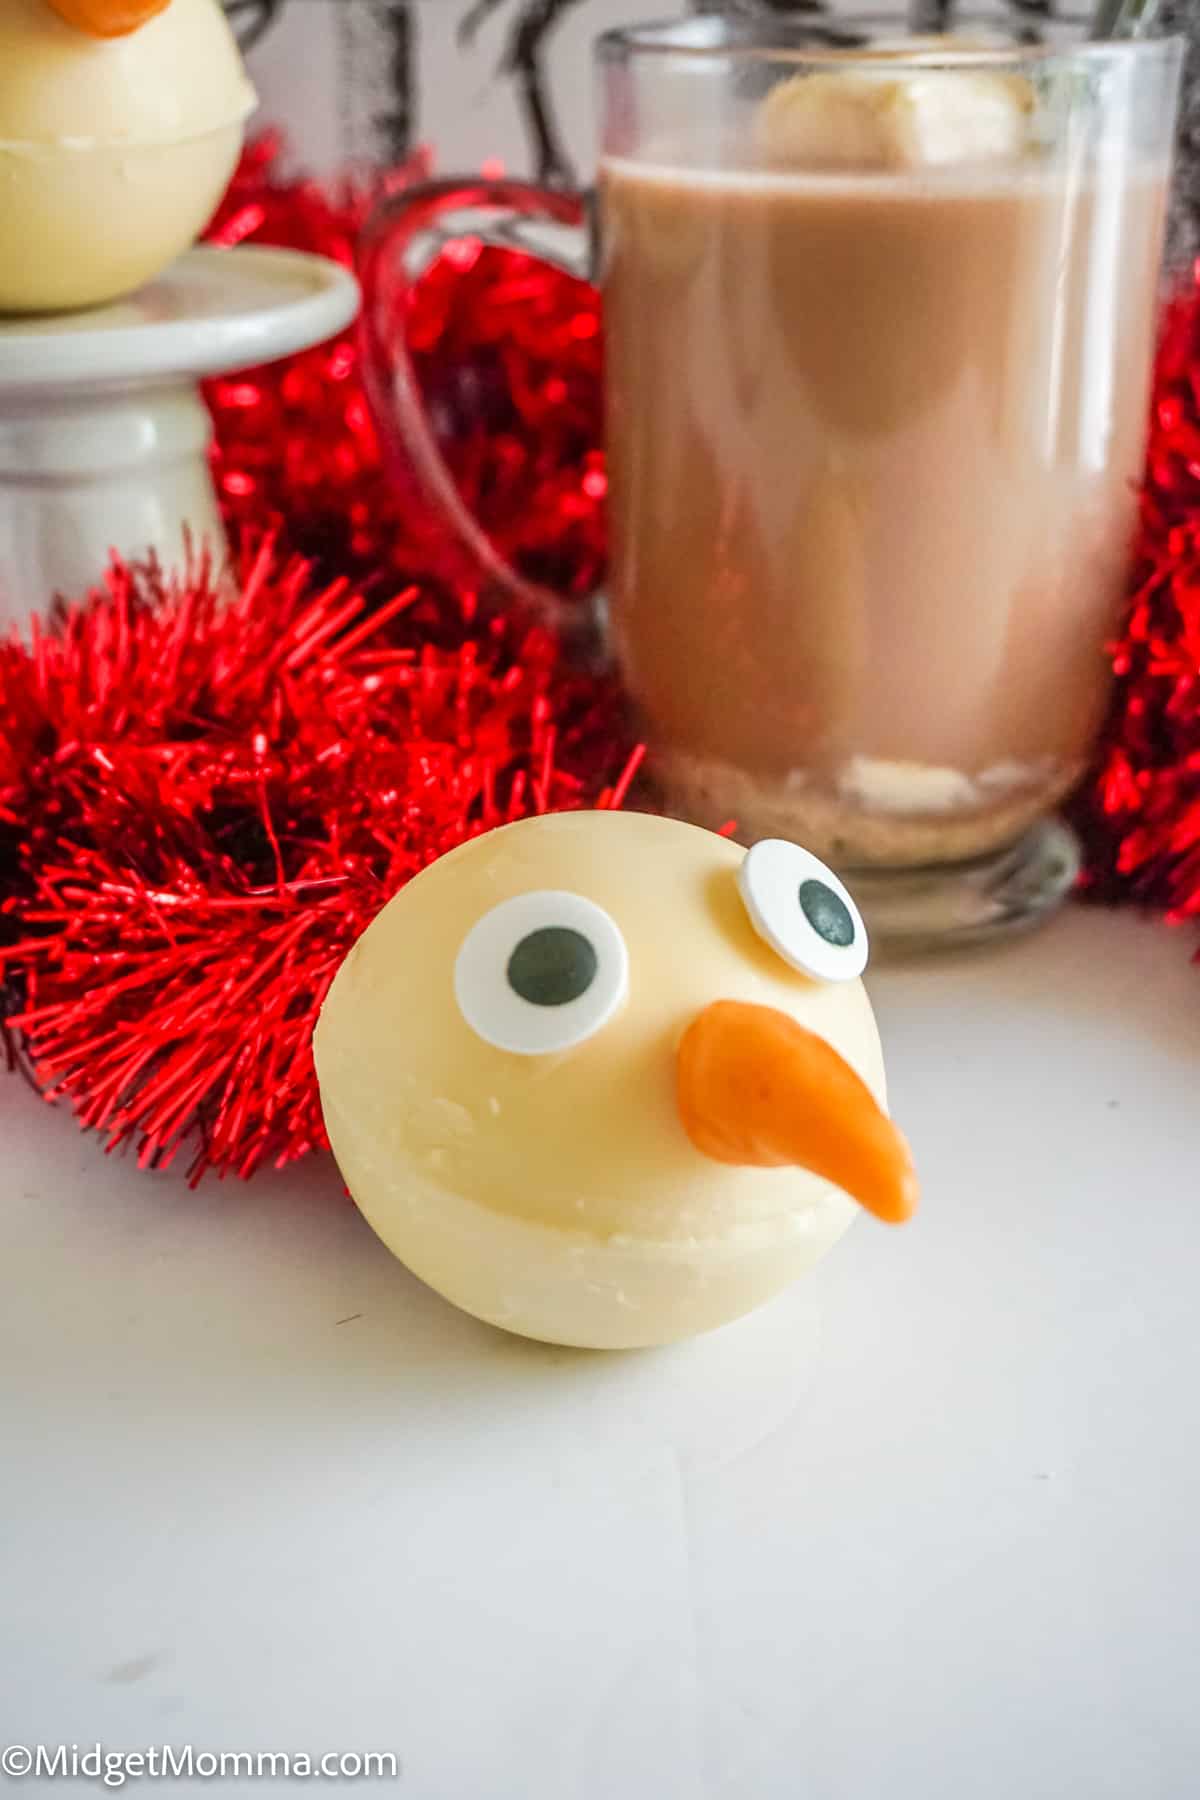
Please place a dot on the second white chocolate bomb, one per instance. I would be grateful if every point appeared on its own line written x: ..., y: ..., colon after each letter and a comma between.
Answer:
x: 113, y: 152
x: 558, y: 1194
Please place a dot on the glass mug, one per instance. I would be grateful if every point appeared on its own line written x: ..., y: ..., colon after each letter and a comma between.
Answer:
x: 879, y: 325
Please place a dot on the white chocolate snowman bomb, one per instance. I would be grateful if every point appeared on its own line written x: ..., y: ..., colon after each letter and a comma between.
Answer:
x: 120, y: 124
x: 609, y: 1080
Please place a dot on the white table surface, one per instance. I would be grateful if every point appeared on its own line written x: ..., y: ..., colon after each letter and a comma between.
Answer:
x: 925, y: 1529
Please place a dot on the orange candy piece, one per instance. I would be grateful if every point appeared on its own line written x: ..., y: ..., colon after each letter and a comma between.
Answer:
x: 107, y: 18
x: 754, y: 1087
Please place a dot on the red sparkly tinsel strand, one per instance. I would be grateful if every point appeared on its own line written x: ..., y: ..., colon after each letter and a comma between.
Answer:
x: 1139, y: 810
x: 225, y: 796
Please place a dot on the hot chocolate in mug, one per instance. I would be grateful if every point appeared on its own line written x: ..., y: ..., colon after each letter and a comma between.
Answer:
x: 879, y: 322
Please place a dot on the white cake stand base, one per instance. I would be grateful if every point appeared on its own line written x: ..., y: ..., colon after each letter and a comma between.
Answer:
x: 104, y: 438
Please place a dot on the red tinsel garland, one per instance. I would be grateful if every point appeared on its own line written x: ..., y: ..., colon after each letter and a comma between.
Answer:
x: 1139, y: 810
x: 202, y: 805
x: 210, y: 802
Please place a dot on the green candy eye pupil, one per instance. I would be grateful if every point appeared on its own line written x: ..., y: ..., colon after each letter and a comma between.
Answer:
x: 827, y: 913
x: 552, y: 966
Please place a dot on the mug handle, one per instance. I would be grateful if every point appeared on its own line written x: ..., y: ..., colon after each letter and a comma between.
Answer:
x: 402, y: 237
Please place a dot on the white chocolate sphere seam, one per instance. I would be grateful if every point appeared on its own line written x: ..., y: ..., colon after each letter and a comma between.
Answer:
x: 53, y: 257
x: 178, y: 76
x: 561, y: 1286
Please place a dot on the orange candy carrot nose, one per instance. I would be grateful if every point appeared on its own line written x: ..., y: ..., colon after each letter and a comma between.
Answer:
x: 107, y: 18
x: 756, y: 1087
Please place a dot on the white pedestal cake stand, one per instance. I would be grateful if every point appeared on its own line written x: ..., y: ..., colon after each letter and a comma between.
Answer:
x: 103, y: 435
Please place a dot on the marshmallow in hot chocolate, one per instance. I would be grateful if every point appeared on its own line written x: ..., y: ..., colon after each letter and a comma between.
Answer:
x: 867, y: 121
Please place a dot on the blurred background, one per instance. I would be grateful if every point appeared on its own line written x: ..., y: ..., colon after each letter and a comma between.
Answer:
x: 366, y: 80
x: 362, y: 78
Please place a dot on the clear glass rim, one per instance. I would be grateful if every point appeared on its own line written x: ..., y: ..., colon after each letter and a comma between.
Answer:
x: 712, y: 38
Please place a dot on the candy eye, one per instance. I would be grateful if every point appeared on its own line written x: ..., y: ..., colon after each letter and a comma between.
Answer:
x: 541, y: 972
x: 803, y: 911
